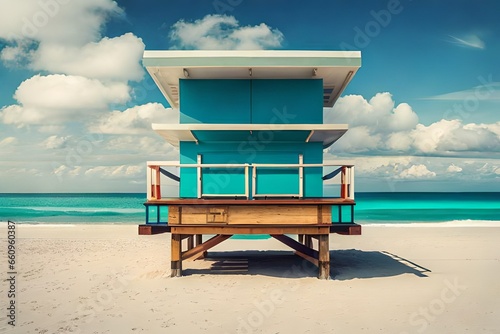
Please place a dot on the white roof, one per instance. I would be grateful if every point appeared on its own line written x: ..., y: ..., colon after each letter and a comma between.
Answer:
x: 336, y: 68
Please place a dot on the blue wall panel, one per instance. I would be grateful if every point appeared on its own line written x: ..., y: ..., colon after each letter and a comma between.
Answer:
x: 214, y: 101
x: 287, y: 101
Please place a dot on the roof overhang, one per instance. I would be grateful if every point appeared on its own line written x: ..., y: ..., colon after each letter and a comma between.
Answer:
x: 327, y: 134
x: 335, y: 68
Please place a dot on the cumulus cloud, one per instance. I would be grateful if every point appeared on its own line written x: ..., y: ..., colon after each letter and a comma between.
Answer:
x: 224, y: 33
x: 146, y: 145
x: 122, y: 171
x: 454, y: 169
x: 417, y: 172
x: 55, y: 99
x: 135, y: 120
x: 61, y: 37
x: 109, y: 59
x: 60, y: 21
x: 453, y: 136
x: 54, y: 142
x: 377, y: 126
x: 378, y: 113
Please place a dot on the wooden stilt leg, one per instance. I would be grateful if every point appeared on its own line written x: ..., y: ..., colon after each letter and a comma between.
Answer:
x: 190, y: 242
x: 176, y: 259
x: 324, y: 257
x: 199, y: 241
x: 301, y: 238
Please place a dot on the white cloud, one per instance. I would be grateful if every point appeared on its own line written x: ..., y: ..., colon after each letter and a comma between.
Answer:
x: 469, y: 41
x: 54, y: 142
x: 61, y: 36
x: 56, y: 21
x: 488, y: 90
x: 135, y: 120
x: 109, y: 59
x: 357, y: 140
x: 8, y: 141
x: 377, y: 126
x: 55, y: 99
x: 453, y: 136
x: 417, y: 172
x: 122, y: 171
x: 454, y: 169
x: 224, y: 33
x: 378, y: 113
x: 146, y: 145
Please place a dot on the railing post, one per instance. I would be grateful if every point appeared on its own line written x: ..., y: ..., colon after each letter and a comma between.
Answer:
x: 351, y: 182
x: 301, y: 176
x: 343, y: 182
x: 149, y: 191
x: 198, y: 170
x: 246, y: 181
x: 157, y: 187
x: 254, y: 180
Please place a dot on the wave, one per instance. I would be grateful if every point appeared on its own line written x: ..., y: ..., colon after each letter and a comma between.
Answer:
x: 69, y: 211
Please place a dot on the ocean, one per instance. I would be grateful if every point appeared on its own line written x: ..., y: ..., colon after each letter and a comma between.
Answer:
x: 371, y: 208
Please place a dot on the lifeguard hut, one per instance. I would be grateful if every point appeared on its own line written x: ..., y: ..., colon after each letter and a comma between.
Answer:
x: 251, y: 139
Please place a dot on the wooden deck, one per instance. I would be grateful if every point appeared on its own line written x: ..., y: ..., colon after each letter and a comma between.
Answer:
x: 307, y: 218
x: 267, y: 201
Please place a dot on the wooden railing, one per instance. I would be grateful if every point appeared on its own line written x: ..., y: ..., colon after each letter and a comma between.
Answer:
x: 155, y: 171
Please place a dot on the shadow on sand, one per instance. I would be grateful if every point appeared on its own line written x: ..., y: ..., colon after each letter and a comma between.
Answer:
x: 344, y: 264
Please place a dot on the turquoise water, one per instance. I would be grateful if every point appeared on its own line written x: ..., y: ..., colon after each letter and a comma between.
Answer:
x: 426, y: 207
x: 72, y: 208
x: 129, y: 209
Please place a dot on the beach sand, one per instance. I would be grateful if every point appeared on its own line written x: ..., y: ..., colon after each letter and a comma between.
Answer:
x: 108, y: 279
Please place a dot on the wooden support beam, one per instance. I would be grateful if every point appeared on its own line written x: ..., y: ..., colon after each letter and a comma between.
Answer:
x: 296, y: 245
x: 324, y: 257
x: 198, y: 250
x: 175, y: 258
x: 346, y: 229
x: 301, y: 238
x: 311, y: 229
x: 308, y: 258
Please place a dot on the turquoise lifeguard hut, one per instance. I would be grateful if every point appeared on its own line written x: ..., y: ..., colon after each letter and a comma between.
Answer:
x: 251, y: 139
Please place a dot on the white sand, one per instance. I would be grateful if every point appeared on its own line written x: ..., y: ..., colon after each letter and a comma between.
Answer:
x: 108, y: 279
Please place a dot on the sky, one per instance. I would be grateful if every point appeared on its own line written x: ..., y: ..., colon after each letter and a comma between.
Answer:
x: 76, y: 104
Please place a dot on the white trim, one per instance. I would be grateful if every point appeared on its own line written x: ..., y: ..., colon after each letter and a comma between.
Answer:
x: 176, y: 133
x: 152, y: 54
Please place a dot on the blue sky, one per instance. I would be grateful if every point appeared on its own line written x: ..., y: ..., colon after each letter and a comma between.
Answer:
x: 76, y: 104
